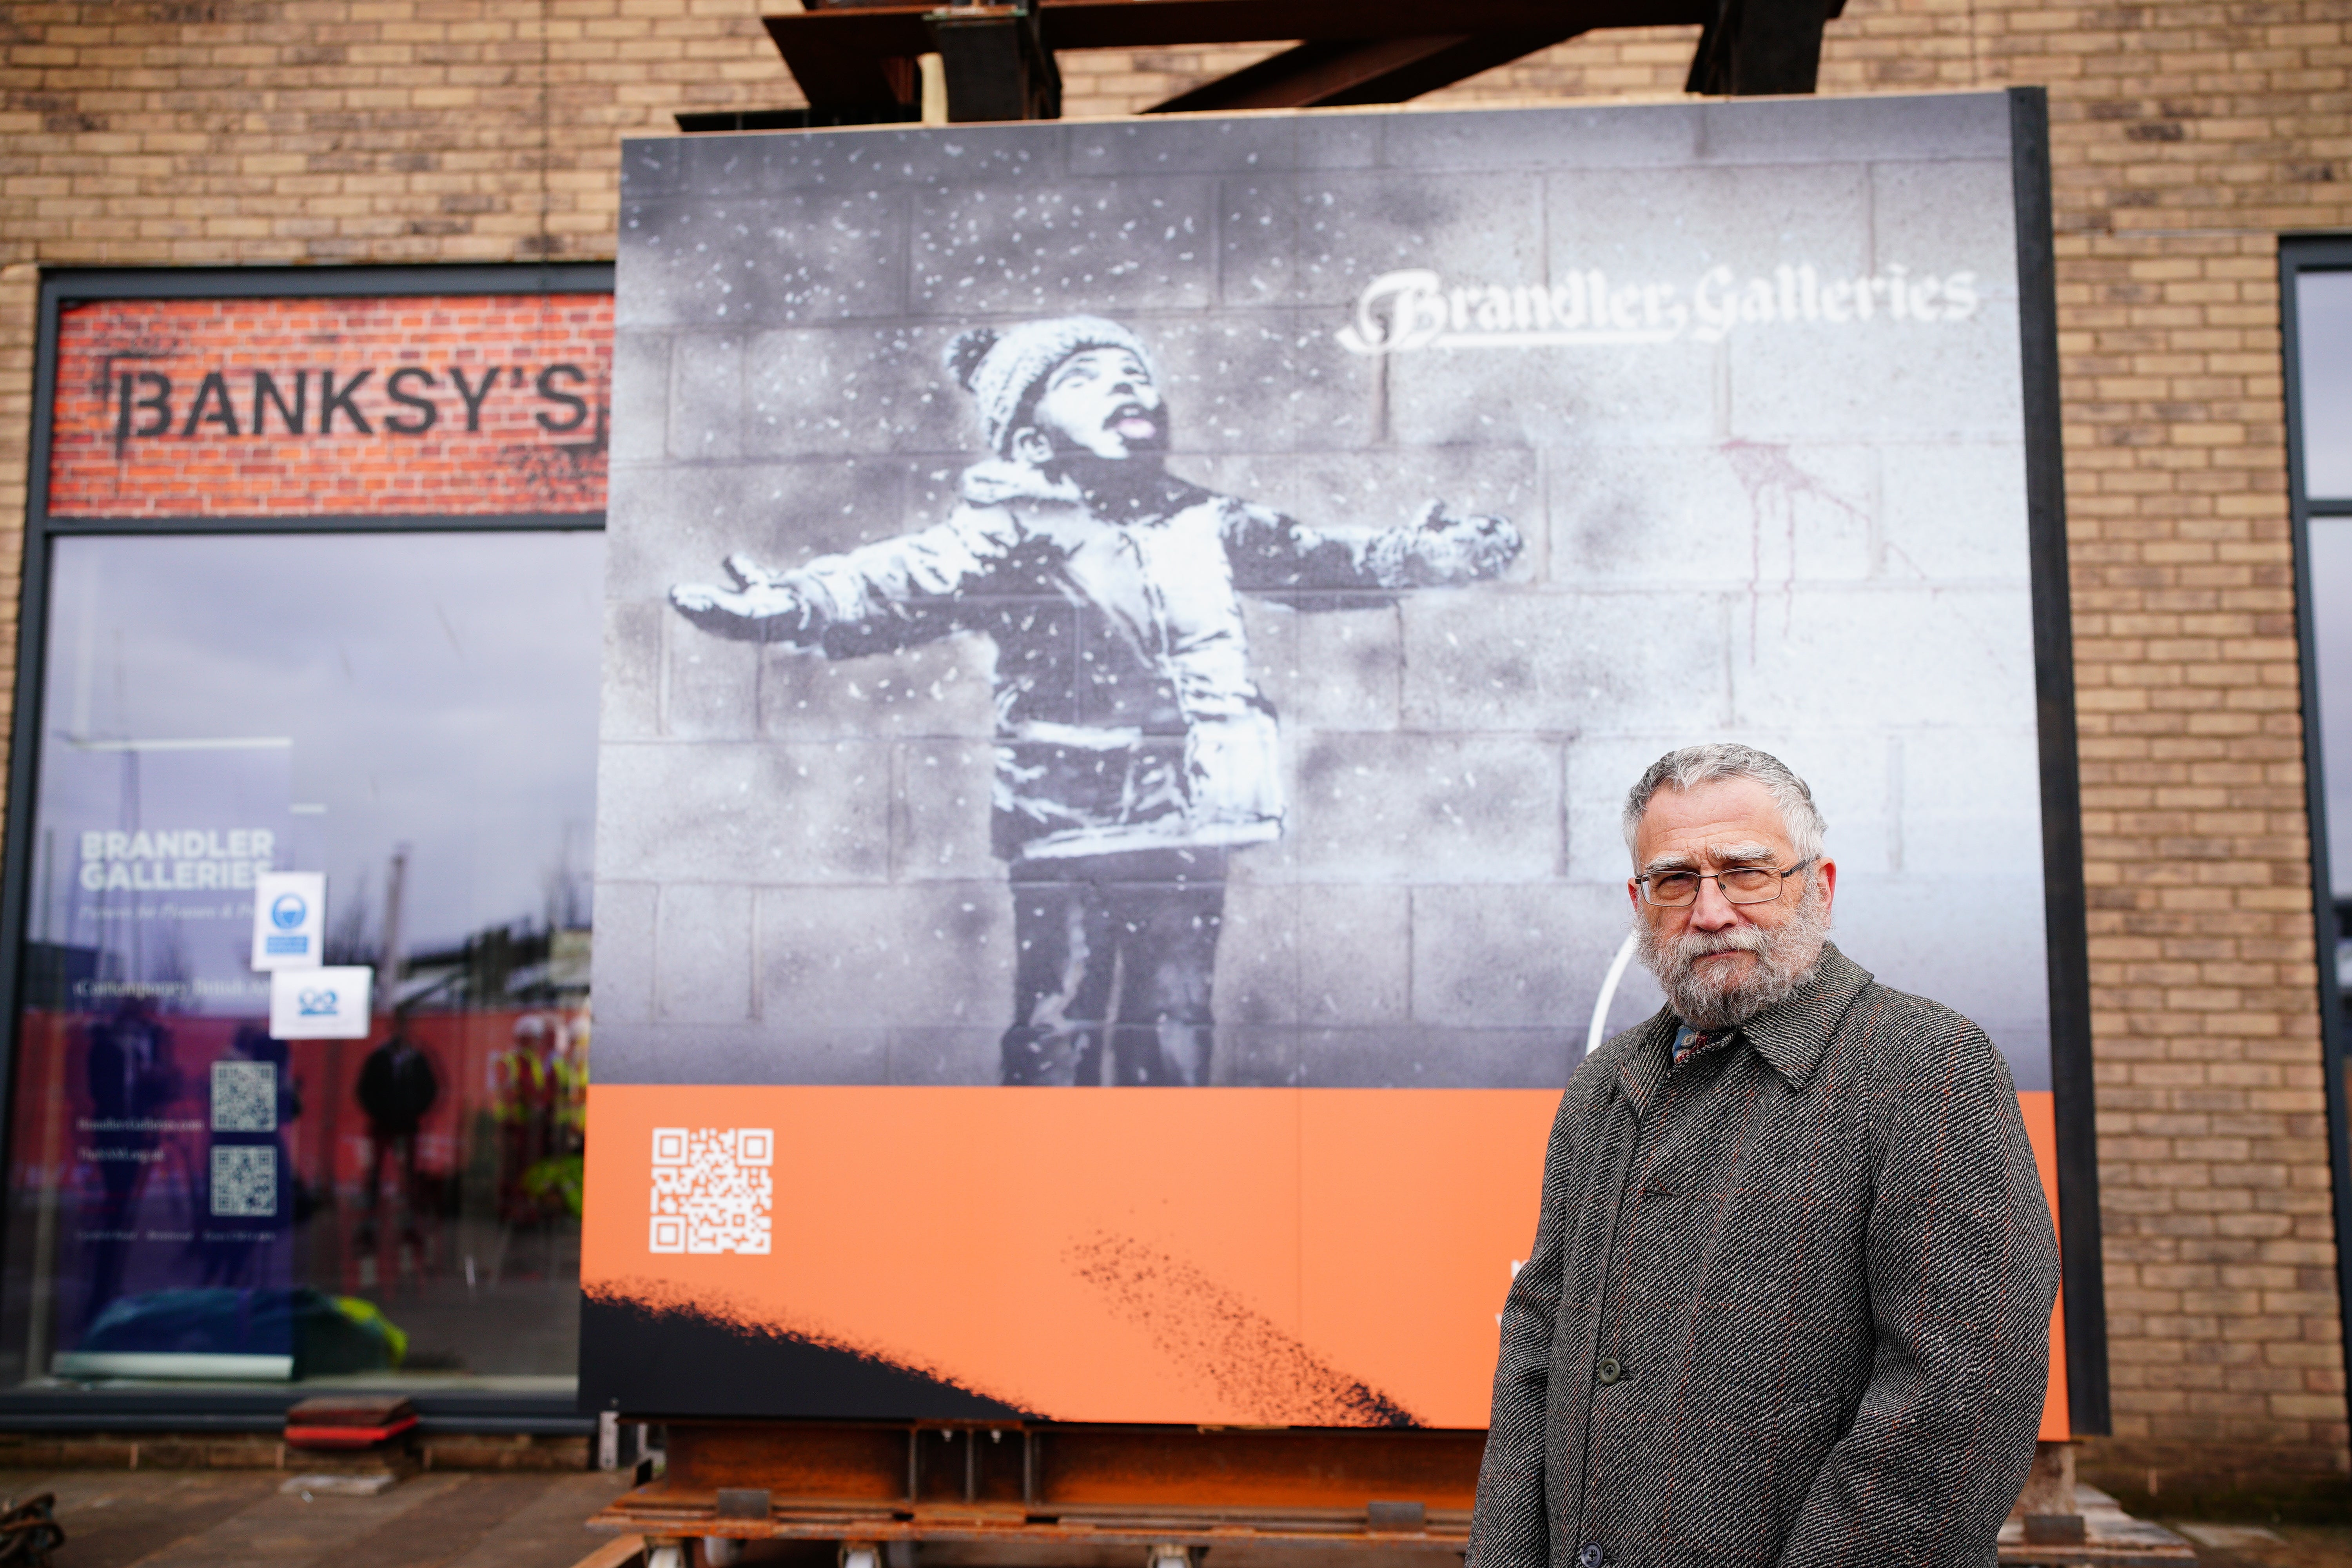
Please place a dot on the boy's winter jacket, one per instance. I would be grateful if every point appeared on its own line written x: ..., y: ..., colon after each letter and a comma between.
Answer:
x: 1126, y: 715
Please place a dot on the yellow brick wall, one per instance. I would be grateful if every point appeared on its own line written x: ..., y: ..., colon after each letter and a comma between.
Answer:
x: 2187, y: 134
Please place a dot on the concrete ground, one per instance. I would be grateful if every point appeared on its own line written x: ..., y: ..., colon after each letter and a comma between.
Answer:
x: 239, y: 1519
x: 2266, y: 1546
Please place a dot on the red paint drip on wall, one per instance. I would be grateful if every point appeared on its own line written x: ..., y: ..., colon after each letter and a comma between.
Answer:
x: 1775, y: 484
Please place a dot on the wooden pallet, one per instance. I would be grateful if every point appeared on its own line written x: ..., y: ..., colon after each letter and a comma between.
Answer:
x: 2112, y: 1539
x: 1136, y: 1494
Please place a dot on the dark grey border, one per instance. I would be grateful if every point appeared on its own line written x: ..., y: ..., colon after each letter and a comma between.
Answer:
x: 198, y: 1408
x: 264, y: 1410
x: 2064, y: 903
x: 324, y: 283
x: 2298, y: 255
x: 421, y: 522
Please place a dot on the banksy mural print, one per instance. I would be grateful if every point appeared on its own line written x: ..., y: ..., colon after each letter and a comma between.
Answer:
x: 1134, y: 750
x: 1167, y: 613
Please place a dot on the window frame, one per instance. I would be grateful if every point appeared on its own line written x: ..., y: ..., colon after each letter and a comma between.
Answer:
x: 220, y: 1407
x: 2065, y: 896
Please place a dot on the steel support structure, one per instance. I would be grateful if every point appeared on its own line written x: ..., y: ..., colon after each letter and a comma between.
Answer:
x: 1144, y: 1496
x: 856, y: 58
x: 1126, y: 1488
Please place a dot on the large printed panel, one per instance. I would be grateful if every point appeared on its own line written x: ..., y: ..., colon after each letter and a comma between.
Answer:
x: 1177, y: 1291
x: 1181, y: 604
x: 1339, y: 1258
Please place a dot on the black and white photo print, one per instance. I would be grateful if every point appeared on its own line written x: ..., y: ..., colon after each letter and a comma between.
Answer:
x: 1180, y: 603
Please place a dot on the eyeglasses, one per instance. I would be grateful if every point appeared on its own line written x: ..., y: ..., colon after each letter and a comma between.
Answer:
x: 1741, y: 885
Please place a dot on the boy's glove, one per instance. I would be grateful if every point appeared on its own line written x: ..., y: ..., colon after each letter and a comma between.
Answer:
x: 1444, y: 548
x: 763, y: 607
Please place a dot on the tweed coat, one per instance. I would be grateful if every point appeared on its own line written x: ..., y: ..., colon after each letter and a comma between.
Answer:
x: 1789, y: 1302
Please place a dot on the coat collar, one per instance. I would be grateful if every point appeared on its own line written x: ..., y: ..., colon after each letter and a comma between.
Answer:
x: 1001, y: 481
x: 1791, y: 1035
x: 1644, y: 1053
x: 1793, y: 1032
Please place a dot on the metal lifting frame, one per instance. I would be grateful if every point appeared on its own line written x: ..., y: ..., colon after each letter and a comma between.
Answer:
x: 855, y: 59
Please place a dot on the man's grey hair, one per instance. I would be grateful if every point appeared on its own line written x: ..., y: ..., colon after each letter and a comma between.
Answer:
x: 1692, y: 766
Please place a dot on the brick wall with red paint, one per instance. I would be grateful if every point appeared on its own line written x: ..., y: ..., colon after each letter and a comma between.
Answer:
x: 479, y: 405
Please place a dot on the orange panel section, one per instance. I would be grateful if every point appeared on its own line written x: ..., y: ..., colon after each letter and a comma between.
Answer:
x: 2042, y: 1131
x: 1247, y: 1257
x: 1114, y: 1255
x: 1416, y: 1203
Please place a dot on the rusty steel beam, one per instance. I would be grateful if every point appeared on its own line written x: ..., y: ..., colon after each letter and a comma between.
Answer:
x: 996, y: 67
x: 1131, y: 24
x: 860, y: 67
x: 896, y: 28
x: 836, y: 53
x: 854, y: 57
x: 1755, y: 47
x: 1306, y: 1476
x: 1019, y: 1487
x: 1116, y: 1490
x: 1323, y: 75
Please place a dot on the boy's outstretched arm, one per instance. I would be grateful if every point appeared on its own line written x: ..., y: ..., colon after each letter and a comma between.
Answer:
x: 1273, y: 553
x: 760, y: 607
x: 885, y: 594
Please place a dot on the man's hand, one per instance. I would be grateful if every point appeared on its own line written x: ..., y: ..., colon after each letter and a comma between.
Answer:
x: 762, y: 606
x: 1450, y: 548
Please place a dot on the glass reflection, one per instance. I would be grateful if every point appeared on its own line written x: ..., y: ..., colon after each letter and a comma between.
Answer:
x: 2331, y: 641
x: 2323, y: 308
x: 414, y: 716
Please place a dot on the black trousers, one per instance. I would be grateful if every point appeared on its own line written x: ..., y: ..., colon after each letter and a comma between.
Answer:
x: 1116, y: 952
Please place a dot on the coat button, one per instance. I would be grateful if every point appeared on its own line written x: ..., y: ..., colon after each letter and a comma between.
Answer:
x: 1590, y: 1556
x: 1608, y: 1369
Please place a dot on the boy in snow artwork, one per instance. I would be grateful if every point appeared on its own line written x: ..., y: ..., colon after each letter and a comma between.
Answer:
x: 1134, y: 752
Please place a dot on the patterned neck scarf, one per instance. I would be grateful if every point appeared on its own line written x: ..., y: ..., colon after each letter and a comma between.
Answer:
x: 1690, y: 1042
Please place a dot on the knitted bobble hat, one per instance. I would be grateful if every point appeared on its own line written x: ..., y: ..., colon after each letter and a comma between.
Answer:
x: 1003, y: 370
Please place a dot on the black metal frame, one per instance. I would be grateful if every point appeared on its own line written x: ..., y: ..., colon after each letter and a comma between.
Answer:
x: 241, y: 1409
x: 2297, y: 254
x: 2064, y: 903
x: 126, y: 1411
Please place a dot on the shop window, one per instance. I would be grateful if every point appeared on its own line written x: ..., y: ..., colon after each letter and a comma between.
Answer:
x: 262, y: 644
x: 2317, y: 286
x: 2322, y: 350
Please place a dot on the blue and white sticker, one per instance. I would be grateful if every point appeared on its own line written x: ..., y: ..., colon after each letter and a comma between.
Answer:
x: 324, y: 1004
x: 290, y: 920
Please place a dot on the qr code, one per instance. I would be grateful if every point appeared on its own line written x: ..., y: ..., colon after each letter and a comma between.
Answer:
x: 244, y: 1097
x: 244, y: 1180
x: 713, y: 1189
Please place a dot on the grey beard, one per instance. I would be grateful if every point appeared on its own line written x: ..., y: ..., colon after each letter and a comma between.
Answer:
x: 1786, y: 957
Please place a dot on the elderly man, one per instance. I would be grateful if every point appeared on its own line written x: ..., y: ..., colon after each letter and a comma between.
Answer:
x: 1789, y: 1302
